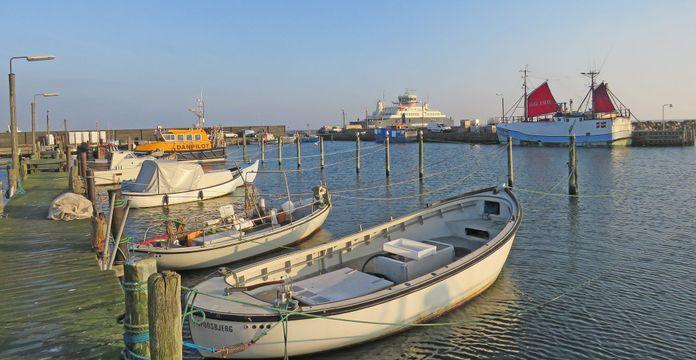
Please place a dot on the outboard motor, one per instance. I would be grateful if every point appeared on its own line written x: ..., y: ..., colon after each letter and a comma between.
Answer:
x: 321, y: 195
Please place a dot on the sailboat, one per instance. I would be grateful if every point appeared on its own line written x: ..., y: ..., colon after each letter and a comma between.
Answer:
x: 546, y: 122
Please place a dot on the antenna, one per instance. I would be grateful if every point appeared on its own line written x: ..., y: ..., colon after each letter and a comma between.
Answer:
x: 199, y: 110
x: 525, y: 72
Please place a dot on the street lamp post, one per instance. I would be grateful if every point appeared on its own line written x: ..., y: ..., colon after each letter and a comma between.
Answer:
x: 13, y: 119
x: 502, y: 107
x: 663, y: 114
x: 33, y: 118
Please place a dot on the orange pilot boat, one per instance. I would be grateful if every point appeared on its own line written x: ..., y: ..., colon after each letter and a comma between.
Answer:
x: 189, y: 144
x: 178, y: 140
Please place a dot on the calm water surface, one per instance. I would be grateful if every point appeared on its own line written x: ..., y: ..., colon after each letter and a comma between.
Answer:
x: 608, y: 275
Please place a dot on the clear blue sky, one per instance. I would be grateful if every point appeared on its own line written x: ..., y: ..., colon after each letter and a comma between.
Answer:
x: 141, y: 63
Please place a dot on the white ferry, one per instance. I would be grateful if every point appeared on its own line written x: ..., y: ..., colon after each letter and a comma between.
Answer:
x: 408, y: 110
x: 546, y: 123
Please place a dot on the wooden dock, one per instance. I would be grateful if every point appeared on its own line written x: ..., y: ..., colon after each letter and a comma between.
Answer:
x: 57, y: 303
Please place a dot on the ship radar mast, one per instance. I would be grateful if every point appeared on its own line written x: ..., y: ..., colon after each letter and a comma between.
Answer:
x: 199, y: 110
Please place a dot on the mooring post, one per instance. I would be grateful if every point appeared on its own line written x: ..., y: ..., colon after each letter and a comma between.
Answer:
x: 117, y: 220
x: 321, y: 152
x: 83, y: 164
x: 136, y: 272
x: 572, y: 167
x: 421, y: 155
x: 23, y: 169
x: 387, y: 164
x: 357, y: 152
x: 244, y: 143
x: 2, y: 199
x: 263, y: 150
x: 91, y: 190
x: 164, y: 304
x: 66, y: 142
x: 511, y: 170
x: 280, y: 150
x: 298, y: 141
x: 130, y: 143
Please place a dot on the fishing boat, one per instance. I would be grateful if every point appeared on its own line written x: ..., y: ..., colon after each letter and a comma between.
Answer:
x: 603, y: 121
x: 360, y: 287
x: 124, y: 166
x: 167, y: 182
x: 232, y: 237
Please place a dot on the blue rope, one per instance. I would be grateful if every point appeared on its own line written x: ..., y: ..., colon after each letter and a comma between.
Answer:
x: 199, y: 347
x: 137, y: 338
x: 132, y: 355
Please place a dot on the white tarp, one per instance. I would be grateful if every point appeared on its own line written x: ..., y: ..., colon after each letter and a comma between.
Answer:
x: 70, y: 206
x: 166, y: 176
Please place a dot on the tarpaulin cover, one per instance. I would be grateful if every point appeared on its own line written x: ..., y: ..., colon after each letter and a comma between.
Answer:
x: 166, y: 176
x: 70, y: 206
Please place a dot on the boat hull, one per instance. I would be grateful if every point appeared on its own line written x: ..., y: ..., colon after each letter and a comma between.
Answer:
x: 145, y: 200
x: 590, y: 132
x: 234, y: 250
x: 312, y: 335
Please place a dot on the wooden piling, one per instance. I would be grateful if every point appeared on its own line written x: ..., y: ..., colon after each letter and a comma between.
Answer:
x: 357, y: 152
x: 298, y: 141
x: 66, y: 143
x: 2, y: 199
x: 511, y: 170
x: 91, y: 190
x: 244, y: 144
x: 117, y: 220
x: 83, y: 164
x: 321, y: 152
x: 421, y: 156
x: 23, y: 168
x: 572, y: 167
x: 387, y: 163
x: 280, y: 150
x: 263, y: 150
x: 130, y: 143
x: 164, y: 304
x: 137, y: 271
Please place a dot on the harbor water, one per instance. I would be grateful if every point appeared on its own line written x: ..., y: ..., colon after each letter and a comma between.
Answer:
x: 609, y: 274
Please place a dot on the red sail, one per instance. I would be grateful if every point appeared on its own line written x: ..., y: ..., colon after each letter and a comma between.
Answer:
x: 541, y: 101
x: 601, y: 102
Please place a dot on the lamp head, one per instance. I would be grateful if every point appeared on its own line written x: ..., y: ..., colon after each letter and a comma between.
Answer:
x: 40, y: 57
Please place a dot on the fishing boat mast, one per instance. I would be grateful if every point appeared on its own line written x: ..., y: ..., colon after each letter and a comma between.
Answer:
x: 524, y: 86
x: 591, y: 74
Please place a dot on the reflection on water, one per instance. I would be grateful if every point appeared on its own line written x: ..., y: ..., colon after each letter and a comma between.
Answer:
x: 624, y: 261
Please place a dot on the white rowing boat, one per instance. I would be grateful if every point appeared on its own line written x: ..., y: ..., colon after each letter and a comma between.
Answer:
x: 232, y: 238
x: 361, y: 287
x: 169, y: 182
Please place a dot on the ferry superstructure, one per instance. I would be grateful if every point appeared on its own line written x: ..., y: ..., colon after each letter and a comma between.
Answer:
x: 545, y: 123
x: 408, y: 110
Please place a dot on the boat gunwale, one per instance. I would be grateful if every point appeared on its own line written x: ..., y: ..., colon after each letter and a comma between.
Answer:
x: 324, y: 312
x: 199, y: 248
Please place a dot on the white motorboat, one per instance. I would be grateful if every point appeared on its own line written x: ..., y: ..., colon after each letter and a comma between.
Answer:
x: 124, y: 166
x: 232, y: 238
x: 169, y: 182
x: 361, y: 287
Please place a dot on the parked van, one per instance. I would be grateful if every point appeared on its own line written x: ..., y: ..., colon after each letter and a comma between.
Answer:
x: 439, y: 127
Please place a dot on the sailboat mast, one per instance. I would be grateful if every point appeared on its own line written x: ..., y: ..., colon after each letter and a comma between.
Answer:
x: 524, y: 86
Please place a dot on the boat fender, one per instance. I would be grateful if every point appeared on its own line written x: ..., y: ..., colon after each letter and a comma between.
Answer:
x: 165, y: 200
x: 200, y: 195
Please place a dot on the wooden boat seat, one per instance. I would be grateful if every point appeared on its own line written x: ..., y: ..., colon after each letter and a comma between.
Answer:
x: 341, y: 284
